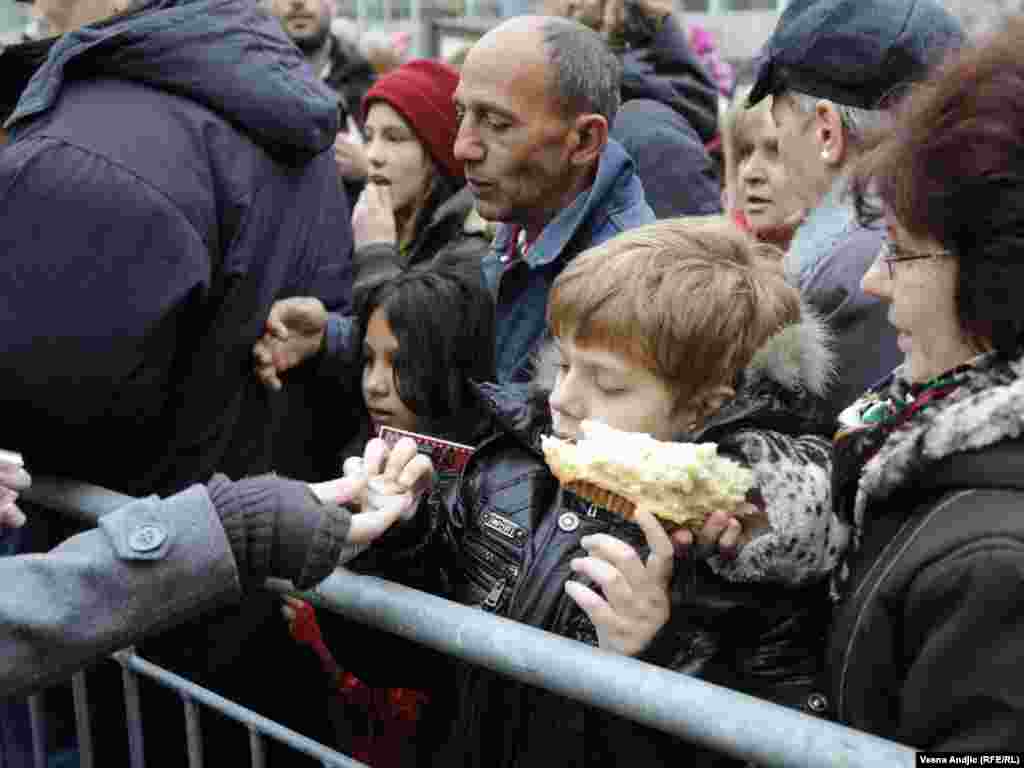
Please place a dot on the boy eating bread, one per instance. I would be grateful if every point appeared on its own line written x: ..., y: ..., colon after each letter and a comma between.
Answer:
x: 685, y: 331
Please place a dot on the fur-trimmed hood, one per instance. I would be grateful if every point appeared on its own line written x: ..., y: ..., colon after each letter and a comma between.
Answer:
x: 798, y: 358
x: 986, y: 409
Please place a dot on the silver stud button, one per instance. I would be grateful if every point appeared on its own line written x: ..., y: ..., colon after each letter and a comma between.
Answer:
x: 568, y: 521
x: 817, y: 703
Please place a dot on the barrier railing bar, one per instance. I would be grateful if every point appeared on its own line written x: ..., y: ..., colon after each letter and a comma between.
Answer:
x: 37, y: 722
x: 79, y: 501
x: 133, y: 714
x: 258, y: 750
x: 193, y: 733
x: 717, y: 717
x: 722, y: 719
x: 83, y: 727
x: 137, y: 664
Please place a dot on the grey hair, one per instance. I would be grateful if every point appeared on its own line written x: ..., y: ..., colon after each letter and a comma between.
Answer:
x: 585, y: 74
x: 859, y: 123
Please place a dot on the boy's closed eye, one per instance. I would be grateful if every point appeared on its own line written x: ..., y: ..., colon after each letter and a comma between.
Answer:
x: 611, y: 387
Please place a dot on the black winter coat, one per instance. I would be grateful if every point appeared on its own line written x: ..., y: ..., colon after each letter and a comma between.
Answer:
x: 928, y: 646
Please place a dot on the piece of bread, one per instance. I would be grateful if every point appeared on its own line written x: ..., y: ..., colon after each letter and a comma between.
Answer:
x: 680, y: 483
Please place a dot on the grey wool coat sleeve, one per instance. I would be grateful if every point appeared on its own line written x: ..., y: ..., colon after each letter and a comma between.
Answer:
x: 149, y: 565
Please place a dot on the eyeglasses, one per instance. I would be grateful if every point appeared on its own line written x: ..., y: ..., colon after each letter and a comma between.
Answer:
x: 891, y: 253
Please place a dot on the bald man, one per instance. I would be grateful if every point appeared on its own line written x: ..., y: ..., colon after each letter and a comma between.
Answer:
x: 535, y: 100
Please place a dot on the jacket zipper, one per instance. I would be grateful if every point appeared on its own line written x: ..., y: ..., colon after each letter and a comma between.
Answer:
x: 504, y: 574
x: 493, y: 599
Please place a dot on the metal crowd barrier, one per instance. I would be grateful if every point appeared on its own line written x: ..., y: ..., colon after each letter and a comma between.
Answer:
x: 192, y: 696
x: 721, y: 719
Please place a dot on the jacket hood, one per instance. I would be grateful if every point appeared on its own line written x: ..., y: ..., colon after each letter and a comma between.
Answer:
x: 228, y: 55
x: 987, y: 409
x: 798, y: 358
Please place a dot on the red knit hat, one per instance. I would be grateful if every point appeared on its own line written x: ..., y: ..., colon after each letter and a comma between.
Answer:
x: 421, y: 91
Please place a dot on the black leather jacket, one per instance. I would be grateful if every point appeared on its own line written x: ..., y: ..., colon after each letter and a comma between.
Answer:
x: 513, y: 534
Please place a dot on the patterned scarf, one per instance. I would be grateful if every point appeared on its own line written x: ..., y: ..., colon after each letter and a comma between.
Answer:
x: 864, y: 427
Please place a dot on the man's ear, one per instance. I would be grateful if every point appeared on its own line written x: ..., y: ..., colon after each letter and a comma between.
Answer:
x: 830, y: 133
x: 591, y: 135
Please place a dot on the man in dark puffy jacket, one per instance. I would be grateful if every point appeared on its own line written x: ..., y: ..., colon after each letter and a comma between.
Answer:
x: 669, y: 110
x: 169, y: 176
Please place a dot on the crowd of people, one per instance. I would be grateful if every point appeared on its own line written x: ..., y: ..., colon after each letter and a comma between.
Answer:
x: 235, y: 248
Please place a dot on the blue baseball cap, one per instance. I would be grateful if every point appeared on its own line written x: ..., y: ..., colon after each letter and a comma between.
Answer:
x: 854, y: 52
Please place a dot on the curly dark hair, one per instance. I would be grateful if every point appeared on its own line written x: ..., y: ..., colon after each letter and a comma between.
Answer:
x: 951, y: 169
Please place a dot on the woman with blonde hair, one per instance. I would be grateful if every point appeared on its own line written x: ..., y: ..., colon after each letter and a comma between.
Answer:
x: 758, y: 193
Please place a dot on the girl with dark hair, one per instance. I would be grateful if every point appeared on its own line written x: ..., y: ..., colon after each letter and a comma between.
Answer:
x: 426, y: 335
x: 928, y: 641
x: 420, y: 341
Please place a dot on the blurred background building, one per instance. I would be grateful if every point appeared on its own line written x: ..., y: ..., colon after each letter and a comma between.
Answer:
x: 441, y: 27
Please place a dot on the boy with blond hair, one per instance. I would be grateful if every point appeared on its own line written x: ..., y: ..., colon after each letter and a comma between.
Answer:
x: 686, y: 330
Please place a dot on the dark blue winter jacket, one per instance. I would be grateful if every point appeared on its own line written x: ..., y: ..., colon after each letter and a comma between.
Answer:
x: 170, y: 177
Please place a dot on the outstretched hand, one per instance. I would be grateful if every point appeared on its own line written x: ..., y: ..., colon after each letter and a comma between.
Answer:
x: 635, y: 602
x: 294, y: 332
x: 386, y: 485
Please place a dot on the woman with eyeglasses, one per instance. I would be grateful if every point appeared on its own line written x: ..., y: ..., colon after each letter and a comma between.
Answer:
x: 927, y: 647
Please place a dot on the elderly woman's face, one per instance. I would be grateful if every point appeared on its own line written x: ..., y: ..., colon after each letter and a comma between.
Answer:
x: 921, y: 292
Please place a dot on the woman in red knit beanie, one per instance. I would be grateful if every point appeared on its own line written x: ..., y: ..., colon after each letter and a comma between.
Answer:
x: 415, y: 209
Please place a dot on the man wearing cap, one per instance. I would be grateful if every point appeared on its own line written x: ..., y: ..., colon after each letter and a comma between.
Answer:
x: 535, y: 100
x: 832, y: 67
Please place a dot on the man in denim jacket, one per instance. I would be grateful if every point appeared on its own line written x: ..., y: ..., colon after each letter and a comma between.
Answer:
x: 535, y: 100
